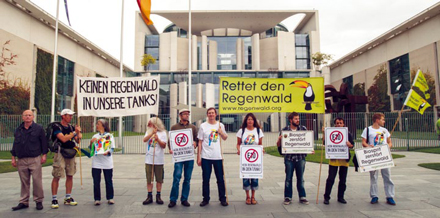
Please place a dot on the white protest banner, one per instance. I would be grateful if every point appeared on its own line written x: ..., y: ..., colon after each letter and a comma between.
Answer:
x: 251, y: 162
x: 181, y: 142
x: 117, y: 96
x: 376, y: 158
x: 297, y: 142
x: 336, y: 143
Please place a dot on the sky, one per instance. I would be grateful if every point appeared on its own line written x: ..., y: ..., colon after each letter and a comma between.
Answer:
x: 344, y: 24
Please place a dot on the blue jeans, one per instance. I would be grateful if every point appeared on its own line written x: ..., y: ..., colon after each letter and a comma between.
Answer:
x: 249, y: 184
x: 291, y: 166
x: 187, y: 167
x: 206, y: 172
x: 108, y: 175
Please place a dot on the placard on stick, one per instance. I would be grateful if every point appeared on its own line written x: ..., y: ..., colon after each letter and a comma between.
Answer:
x: 181, y: 143
x: 336, y: 143
x: 251, y: 162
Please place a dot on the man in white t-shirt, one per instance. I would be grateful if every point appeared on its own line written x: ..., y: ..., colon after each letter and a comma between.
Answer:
x: 209, y: 155
x: 377, y: 135
x: 156, y: 141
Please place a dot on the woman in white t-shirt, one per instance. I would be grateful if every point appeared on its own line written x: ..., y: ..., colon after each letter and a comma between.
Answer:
x: 102, y: 141
x: 210, y: 155
x: 156, y: 140
x: 249, y: 134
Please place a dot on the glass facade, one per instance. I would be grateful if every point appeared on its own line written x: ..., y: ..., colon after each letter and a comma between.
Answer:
x: 152, y: 48
x: 302, y: 51
x: 64, y: 83
x: 400, y: 79
x: 273, y: 32
x: 349, y: 81
x: 227, y: 52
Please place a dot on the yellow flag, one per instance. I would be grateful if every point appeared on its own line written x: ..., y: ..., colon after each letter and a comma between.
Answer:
x: 415, y: 101
x: 420, y: 82
x: 262, y: 95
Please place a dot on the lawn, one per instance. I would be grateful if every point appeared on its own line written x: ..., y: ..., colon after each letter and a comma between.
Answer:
x: 432, y: 166
x: 316, y: 158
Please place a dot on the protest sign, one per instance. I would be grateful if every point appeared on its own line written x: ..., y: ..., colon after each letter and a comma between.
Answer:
x: 181, y: 142
x: 297, y: 142
x: 260, y: 95
x: 336, y: 143
x: 376, y: 158
x: 251, y: 162
x: 117, y: 96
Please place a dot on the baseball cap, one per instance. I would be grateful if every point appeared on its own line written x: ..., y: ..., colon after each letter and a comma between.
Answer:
x: 67, y: 111
x: 184, y: 110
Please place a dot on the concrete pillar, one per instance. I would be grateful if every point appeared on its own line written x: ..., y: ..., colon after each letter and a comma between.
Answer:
x: 326, y: 75
x: 212, y: 55
x: 204, y: 53
x: 199, y: 98
x: 283, y: 122
x: 194, y: 52
x: 256, y: 52
x: 173, y: 103
x: 210, y: 92
x: 239, y: 53
x: 286, y: 51
x: 274, y: 123
x: 183, y: 93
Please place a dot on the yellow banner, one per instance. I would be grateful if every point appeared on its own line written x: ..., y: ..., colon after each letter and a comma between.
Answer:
x: 259, y: 95
x: 415, y: 101
x: 420, y: 82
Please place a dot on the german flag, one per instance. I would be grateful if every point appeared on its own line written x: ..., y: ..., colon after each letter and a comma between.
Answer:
x: 145, y: 7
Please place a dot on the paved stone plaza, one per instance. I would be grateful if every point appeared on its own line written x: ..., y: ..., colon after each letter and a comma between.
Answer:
x: 417, y: 192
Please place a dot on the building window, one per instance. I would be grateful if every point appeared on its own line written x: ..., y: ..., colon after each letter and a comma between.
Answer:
x: 400, y: 79
x: 152, y: 48
x: 349, y: 81
x: 65, y: 83
x: 227, y: 52
x: 302, y: 51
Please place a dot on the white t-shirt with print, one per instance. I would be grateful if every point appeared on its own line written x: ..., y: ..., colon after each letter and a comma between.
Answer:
x: 211, y: 142
x: 250, y: 137
x: 101, y: 161
x: 158, y: 152
x: 376, y: 136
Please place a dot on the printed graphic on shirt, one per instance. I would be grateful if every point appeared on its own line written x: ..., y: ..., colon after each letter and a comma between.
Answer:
x: 103, y: 144
x: 250, y: 139
x: 379, y: 138
x: 213, y: 137
x: 152, y: 142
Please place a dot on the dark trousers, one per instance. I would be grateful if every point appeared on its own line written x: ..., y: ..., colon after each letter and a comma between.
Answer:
x: 332, y: 171
x: 108, y: 175
x: 206, y: 172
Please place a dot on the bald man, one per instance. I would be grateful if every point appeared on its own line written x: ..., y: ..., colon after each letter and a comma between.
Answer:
x: 28, y: 154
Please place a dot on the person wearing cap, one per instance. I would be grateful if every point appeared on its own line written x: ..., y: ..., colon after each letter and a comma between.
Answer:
x: 28, y: 154
x: 185, y: 167
x: 63, y: 161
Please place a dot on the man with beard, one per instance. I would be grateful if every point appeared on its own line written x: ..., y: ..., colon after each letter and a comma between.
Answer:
x: 294, y: 162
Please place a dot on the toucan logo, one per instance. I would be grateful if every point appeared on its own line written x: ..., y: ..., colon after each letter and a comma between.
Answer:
x: 309, y: 94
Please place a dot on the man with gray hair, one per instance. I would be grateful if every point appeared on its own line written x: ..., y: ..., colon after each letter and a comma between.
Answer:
x: 28, y: 154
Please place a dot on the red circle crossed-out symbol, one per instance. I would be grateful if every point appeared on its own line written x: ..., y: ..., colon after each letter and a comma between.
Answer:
x: 248, y: 156
x: 336, y: 137
x: 181, y: 139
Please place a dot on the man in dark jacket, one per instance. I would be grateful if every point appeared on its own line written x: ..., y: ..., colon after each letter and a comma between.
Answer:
x: 28, y: 154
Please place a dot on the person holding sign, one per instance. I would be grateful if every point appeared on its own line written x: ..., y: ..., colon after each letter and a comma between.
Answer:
x: 186, y: 166
x: 102, y: 161
x: 372, y: 136
x: 334, y: 164
x: 294, y: 162
x: 249, y: 134
x: 209, y: 155
x: 156, y: 141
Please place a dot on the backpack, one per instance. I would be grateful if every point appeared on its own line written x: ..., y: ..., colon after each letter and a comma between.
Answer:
x: 52, y: 141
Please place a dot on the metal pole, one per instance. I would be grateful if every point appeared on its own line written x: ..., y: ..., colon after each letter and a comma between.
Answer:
x: 54, y: 71
x: 121, y: 69
x: 407, y: 134
x: 189, y: 61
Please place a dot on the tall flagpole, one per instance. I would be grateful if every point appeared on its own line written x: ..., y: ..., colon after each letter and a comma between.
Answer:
x: 189, y: 61
x: 55, y: 61
x: 121, y: 68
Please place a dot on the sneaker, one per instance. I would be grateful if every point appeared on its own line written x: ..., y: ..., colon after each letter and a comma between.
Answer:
x: 149, y: 200
x: 54, y: 204
x: 391, y: 201
x: 287, y: 201
x: 111, y: 201
x: 303, y: 201
x: 374, y: 200
x: 70, y: 201
x: 39, y: 205
x: 326, y: 201
x: 97, y: 203
x: 20, y: 206
x: 186, y: 203
x: 172, y: 204
x: 158, y: 199
x: 204, y: 203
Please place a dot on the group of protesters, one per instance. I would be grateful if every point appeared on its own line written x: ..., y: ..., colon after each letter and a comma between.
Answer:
x: 31, y: 146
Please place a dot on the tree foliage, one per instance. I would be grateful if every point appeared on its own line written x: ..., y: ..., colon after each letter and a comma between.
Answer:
x: 319, y: 59
x: 359, y: 90
x: 147, y: 60
x: 43, y: 89
x: 378, y: 99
